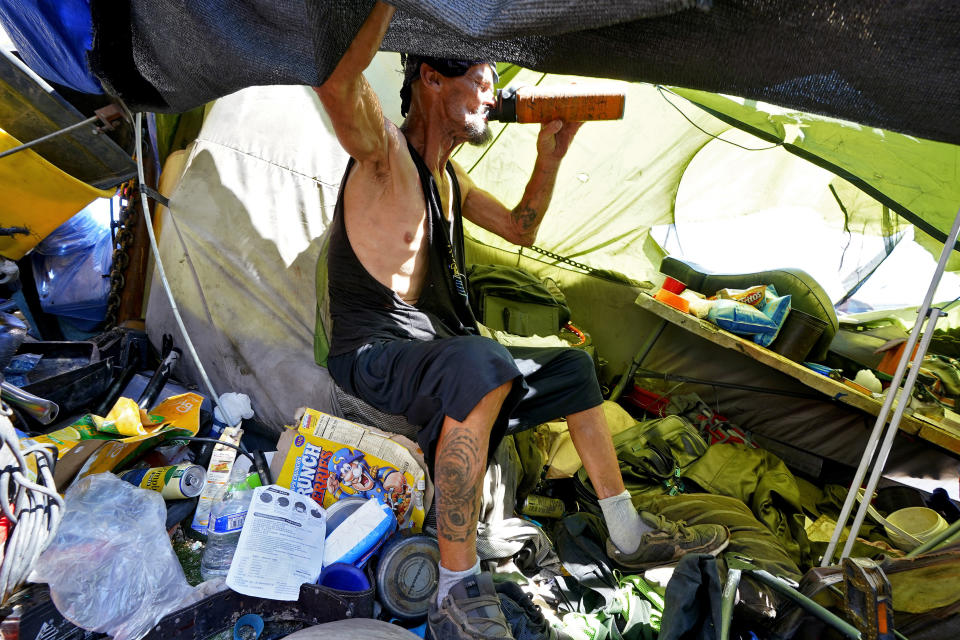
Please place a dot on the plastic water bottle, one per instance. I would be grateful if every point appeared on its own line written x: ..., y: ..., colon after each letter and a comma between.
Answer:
x: 226, y: 521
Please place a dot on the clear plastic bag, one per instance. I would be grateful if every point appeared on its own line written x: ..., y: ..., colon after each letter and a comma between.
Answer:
x: 111, y: 567
x: 12, y: 334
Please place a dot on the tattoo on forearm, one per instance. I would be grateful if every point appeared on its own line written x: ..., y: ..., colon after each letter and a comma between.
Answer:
x: 525, y: 217
x: 458, y: 471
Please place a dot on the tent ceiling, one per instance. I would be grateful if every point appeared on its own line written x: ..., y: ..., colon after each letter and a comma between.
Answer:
x: 621, y: 178
x: 240, y: 241
x: 918, y: 179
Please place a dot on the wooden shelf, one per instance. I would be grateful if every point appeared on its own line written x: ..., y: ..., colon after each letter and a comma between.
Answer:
x: 926, y: 429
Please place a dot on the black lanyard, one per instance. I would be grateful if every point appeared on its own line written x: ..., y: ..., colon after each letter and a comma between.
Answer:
x: 455, y: 233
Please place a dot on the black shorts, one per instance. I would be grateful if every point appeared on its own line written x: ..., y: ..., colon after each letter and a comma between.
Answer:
x: 428, y: 380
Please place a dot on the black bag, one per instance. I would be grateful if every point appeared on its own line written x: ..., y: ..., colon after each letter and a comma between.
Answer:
x: 579, y: 539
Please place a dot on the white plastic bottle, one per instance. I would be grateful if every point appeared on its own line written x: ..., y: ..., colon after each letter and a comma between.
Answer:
x: 226, y: 521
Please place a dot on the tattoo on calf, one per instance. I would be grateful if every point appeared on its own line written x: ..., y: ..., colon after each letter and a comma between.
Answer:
x: 525, y: 218
x: 458, y: 470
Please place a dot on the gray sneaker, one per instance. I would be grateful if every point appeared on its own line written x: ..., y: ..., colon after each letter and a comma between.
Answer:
x: 669, y: 541
x: 471, y: 611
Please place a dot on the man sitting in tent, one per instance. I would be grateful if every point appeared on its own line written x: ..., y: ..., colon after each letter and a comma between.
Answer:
x: 404, y: 338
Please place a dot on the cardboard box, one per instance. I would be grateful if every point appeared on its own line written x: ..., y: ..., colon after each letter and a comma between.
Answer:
x: 326, y: 458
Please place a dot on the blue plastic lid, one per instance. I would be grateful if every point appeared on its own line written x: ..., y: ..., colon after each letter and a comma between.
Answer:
x: 251, y: 621
x: 343, y: 577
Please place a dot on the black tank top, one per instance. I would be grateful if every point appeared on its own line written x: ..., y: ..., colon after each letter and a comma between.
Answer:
x: 364, y: 310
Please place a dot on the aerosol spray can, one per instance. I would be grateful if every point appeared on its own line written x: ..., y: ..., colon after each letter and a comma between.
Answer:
x: 173, y: 483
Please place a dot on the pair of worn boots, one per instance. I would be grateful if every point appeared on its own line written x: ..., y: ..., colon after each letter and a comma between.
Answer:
x: 472, y: 610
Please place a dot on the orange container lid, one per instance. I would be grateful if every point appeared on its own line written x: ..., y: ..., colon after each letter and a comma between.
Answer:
x: 672, y: 299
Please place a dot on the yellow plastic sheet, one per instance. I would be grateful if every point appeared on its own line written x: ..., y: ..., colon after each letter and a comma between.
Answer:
x: 36, y: 195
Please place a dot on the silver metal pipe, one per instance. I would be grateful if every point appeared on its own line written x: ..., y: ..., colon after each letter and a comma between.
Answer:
x: 27, y: 145
x: 868, y: 453
x: 893, y: 391
x: 728, y: 601
x: 19, y: 64
x: 887, y: 445
x: 45, y: 411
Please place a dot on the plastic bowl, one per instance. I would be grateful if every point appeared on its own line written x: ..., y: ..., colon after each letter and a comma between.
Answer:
x: 920, y: 522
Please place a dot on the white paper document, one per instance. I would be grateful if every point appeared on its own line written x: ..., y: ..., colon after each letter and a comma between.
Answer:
x: 281, y: 545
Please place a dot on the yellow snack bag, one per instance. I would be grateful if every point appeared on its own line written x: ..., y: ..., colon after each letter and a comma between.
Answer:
x: 123, y: 419
x: 179, y: 416
x: 754, y: 296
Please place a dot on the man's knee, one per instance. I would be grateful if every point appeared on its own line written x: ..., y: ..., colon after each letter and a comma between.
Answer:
x: 488, y: 407
x: 581, y: 364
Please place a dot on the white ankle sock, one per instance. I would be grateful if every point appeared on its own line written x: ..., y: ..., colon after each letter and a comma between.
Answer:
x: 449, y: 578
x: 624, y: 524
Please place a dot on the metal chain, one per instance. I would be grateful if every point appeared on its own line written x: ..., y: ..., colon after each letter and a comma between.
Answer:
x: 556, y: 256
x: 121, y: 258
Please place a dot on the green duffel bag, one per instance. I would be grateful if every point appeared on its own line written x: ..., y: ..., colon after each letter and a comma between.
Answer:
x: 652, y: 456
x: 513, y: 300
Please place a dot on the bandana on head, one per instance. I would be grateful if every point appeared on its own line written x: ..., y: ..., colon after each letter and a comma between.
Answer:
x: 446, y: 66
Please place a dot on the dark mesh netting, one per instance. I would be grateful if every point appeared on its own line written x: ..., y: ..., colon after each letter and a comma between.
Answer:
x: 883, y: 63
x: 356, y: 410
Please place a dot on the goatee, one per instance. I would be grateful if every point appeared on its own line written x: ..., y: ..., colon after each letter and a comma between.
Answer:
x: 479, y: 135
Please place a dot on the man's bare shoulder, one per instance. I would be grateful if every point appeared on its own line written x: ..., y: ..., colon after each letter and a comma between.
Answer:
x: 463, y: 180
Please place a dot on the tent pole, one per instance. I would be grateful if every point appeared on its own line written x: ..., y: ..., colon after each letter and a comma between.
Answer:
x: 105, y: 115
x: 627, y: 377
x: 892, y: 392
x: 904, y: 400
x: 161, y: 272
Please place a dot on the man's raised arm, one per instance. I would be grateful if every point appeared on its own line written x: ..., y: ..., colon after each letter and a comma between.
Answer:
x: 348, y: 98
x: 520, y: 224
